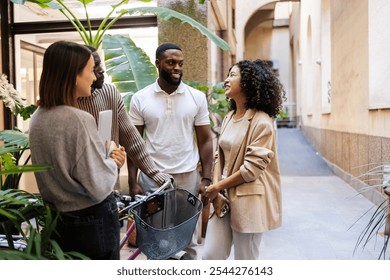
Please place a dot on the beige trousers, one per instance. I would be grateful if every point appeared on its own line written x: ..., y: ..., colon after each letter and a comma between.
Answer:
x: 220, y: 238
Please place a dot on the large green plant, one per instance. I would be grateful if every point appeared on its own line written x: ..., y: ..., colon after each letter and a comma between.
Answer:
x: 15, y: 141
x: 22, y: 213
x: 128, y: 65
x: 95, y: 39
x: 11, y: 155
x: 35, y: 223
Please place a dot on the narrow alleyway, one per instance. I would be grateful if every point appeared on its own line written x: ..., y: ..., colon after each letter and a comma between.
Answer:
x: 319, y: 209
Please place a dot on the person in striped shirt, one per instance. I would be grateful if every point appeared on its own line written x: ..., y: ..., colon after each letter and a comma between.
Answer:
x: 106, y: 97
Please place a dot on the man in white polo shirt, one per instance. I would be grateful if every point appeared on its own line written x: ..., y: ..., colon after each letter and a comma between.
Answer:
x: 169, y: 112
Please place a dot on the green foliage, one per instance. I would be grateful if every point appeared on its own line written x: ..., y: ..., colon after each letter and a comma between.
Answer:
x: 11, y: 169
x: 16, y: 142
x: 284, y: 114
x: 12, y: 100
x: 167, y: 14
x: 220, y: 104
x: 90, y: 38
x: 377, y: 178
x: 26, y: 112
x: 217, y: 102
x: 35, y: 222
x: 129, y: 66
x: 95, y: 39
x: 199, y: 86
x: 17, y: 207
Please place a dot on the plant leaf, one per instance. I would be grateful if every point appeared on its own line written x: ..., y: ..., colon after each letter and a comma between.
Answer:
x: 85, y: 2
x: 166, y: 14
x: 128, y: 65
x: 25, y: 168
x: 57, y: 250
x: 14, y: 137
x: 41, y: 3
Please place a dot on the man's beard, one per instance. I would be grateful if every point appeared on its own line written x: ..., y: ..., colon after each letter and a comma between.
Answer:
x: 98, y: 84
x: 166, y: 76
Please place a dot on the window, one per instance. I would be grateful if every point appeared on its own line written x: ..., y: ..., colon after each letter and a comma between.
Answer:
x: 378, y: 48
x: 30, y: 71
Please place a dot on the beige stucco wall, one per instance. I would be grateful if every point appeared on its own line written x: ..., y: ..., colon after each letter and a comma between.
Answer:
x: 355, y: 50
x: 350, y: 67
x: 243, y: 13
x: 341, y: 49
x: 351, y: 42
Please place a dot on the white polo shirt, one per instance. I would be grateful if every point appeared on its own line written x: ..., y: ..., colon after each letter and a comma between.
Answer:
x: 169, y: 121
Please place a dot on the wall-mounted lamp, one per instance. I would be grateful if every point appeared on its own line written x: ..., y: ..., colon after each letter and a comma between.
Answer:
x: 318, y: 61
x: 300, y: 62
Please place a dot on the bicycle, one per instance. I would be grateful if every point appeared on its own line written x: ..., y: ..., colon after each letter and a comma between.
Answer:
x: 164, y: 221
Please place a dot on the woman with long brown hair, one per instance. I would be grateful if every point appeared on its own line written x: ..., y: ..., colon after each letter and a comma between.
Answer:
x: 81, y: 181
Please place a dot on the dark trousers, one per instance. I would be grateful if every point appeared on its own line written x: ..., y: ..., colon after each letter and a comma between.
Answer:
x: 93, y: 231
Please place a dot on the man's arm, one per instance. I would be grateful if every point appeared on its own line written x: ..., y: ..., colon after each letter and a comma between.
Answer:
x: 132, y: 169
x: 206, y: 152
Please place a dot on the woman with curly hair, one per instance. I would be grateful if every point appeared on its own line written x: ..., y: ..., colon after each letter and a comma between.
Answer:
x: 246, y: 170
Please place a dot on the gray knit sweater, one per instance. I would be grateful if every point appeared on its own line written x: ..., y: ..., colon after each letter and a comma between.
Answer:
x: 67, y: 138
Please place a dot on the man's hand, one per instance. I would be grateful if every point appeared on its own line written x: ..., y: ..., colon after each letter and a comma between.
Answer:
x: 135, y: 189
x: 204, y: 183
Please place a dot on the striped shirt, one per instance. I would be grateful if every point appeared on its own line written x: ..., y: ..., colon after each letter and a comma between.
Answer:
x: 123, y: 131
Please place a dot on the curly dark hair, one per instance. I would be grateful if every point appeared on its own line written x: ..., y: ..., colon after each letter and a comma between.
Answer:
x: 263, y: 89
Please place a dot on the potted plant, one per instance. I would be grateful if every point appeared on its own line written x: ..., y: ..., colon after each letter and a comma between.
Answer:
x: 377, y: 179
x: 35, y: 222
x: 283, y: 119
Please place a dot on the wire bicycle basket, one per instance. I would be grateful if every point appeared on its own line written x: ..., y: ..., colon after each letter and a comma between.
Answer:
x: 165, y: 222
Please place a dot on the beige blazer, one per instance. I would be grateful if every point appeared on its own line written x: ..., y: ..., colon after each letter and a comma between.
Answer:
x: 256, y: 206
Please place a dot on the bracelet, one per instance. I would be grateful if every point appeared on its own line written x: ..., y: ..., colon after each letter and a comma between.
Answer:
x: 205, y: 178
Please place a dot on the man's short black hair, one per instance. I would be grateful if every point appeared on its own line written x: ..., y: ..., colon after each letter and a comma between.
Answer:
x: 166, y: 46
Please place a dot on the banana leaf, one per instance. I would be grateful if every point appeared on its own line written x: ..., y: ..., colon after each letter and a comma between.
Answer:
x: 167, y: 14
x: 14, y: 138
x: 128, y: 65
x: 16, y: 142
